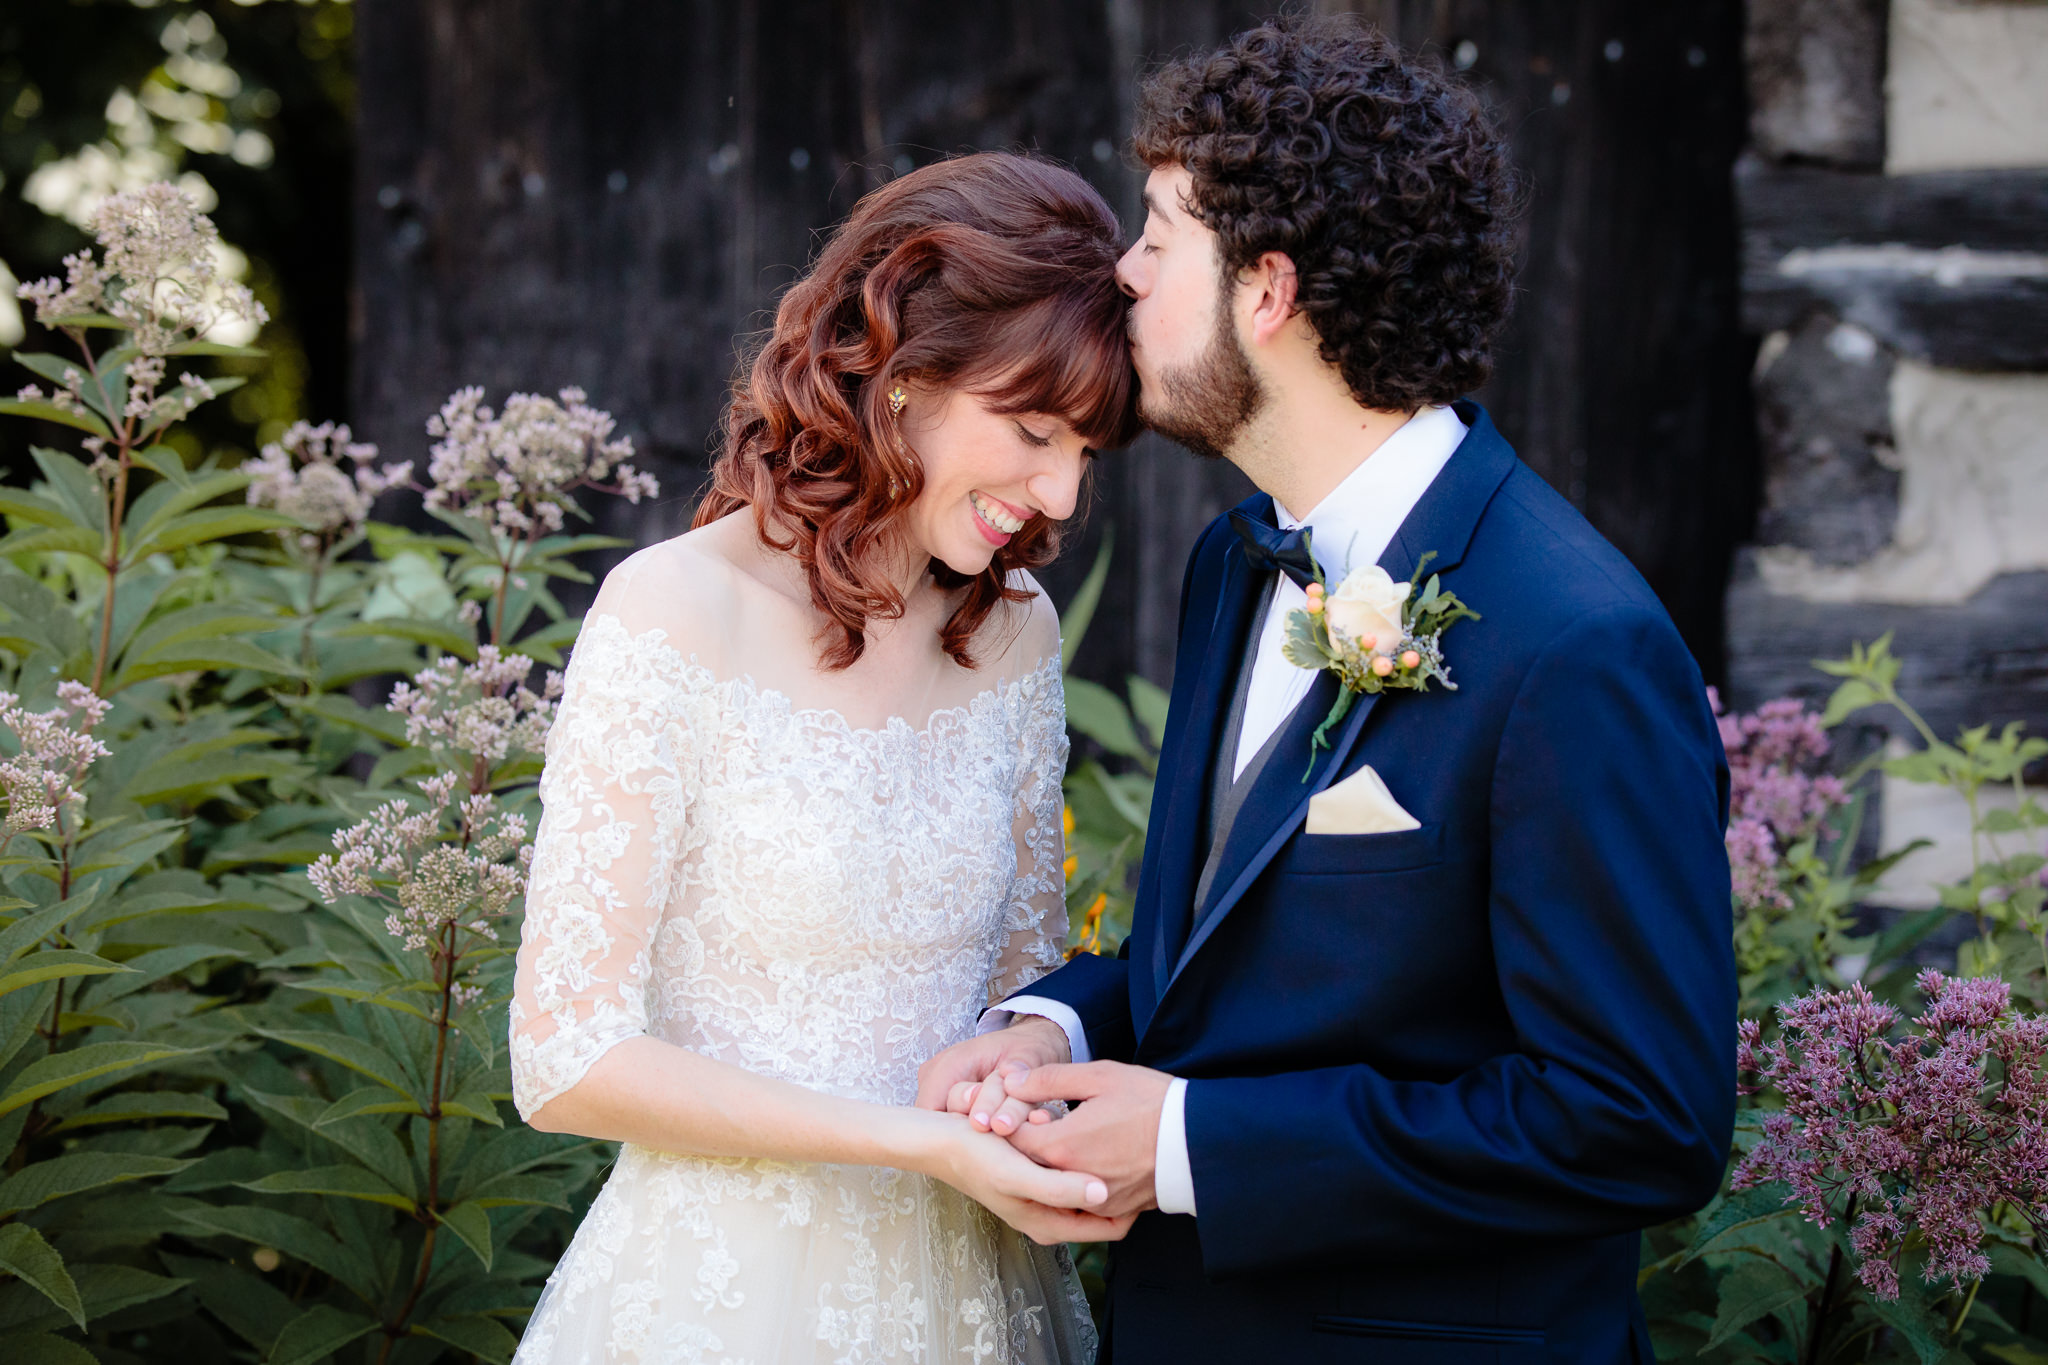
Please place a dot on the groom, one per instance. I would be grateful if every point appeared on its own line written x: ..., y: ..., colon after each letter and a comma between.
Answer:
x: 1402, y: 1054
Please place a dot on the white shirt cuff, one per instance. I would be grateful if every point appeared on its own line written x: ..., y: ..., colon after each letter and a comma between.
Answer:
x: 1173, y: 1180
x: 1061, y: 1014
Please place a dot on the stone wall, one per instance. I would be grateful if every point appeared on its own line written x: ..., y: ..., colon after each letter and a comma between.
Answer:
x: 1894, y: 205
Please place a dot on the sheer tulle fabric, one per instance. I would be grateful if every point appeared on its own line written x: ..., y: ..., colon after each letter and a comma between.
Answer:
x: 772, y: 887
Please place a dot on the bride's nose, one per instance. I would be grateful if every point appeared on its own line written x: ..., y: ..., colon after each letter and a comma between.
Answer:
x: 1055, y: 489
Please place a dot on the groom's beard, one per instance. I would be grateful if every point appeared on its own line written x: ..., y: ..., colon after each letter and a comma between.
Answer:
x: 1204, y: 404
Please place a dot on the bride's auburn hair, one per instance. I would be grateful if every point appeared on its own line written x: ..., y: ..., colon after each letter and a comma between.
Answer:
x: 992, y: 273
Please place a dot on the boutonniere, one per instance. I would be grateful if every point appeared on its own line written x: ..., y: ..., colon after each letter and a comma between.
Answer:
x: 1374, y: 634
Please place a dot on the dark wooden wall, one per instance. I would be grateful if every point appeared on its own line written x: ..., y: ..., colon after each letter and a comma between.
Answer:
x: 612, y: 194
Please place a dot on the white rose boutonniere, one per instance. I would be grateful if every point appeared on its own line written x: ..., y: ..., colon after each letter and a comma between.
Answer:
x: 1374, y: 633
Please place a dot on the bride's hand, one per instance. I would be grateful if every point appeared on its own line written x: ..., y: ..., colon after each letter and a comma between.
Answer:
x: 1046, y: 1205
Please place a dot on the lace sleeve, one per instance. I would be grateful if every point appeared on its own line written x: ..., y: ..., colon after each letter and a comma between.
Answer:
x: 1036, y: 921
x: 612, y: 815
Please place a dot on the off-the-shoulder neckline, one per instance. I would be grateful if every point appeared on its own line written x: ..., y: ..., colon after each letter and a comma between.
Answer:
x: 656, y: 638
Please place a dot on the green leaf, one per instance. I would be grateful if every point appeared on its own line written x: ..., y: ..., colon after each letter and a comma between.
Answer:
x: 485, y: 1338
x: 288, y: 1233
x: 64, y: 1069
x: 207, y: 524
x: 25, y: 933
x: 46, y: 411
x: 1149, y: 703
x: 318, y: 1333
x: 520, y: 1189
x: 176, y: 777
x: 473, y: 1104
x: 435, y: 634
x: 55, y: 1177
x: 1738, y: 1210
x: 1851, y: 697
x: 1080, y: 612
x: 142, y: 1106
x: 54, y: 964
x: 1095, y: 711
x: 347, y: 1182
x: 473, y: 1225
x: 40, y: 1348
x: 251, y: 1307
x: 348, y: 1050
x: 36, y: 1263
x: 1918, y: 1321
x: 22, y: 505
x: 371, y: 1099
x: 74, y: 486
x: 1754, y: 1289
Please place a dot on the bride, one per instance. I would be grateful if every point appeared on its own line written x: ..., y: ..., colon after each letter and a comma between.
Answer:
x: 802, y: 815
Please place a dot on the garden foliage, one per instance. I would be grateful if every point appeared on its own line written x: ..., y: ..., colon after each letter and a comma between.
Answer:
x: 256, y: 936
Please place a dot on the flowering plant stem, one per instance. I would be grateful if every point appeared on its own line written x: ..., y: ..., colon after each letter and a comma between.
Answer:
x: 445, y: 956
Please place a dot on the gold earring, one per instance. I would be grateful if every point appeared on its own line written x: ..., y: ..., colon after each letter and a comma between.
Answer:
x: 897, y: 398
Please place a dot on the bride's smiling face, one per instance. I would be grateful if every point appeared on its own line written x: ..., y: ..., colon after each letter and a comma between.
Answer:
x: 987, y: 475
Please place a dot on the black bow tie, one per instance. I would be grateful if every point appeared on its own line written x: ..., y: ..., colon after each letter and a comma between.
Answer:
x: 1268, y: 549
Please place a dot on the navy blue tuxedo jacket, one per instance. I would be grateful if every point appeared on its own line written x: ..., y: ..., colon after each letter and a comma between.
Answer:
x: 1440, y: 1078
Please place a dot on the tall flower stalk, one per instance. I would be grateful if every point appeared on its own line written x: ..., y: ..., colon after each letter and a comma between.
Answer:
x: 156, y: 282
x: 447, y: 865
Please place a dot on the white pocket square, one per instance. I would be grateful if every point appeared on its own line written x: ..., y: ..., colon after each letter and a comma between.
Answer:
x: 1360, y: 804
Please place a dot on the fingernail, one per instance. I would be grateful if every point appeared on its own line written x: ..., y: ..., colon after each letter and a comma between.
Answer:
x: 981, y: 1120
x: 1096, y: 1192
x: 1004, y: 1122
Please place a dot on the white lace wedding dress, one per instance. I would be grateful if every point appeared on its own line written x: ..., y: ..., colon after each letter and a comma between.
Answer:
x: 775, y: 888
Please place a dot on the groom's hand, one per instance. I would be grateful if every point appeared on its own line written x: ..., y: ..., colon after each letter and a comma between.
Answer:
x: 969, y: 1077
x: 1113, y: 1135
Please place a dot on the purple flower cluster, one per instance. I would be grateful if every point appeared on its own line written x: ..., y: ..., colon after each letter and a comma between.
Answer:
x: 1774, y: 798
x: 1905, y: 1133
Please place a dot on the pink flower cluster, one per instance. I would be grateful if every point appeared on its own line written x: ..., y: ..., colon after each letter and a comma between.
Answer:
x: 302, y: 475
x: 56, y: 747
x: 514, y: 471
x: 1913, y: 1133
x: 1774, y: 799
x: 447, y: 859
x: 484, y: 709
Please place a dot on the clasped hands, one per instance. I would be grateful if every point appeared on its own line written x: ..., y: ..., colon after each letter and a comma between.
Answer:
x: 1001, y: 1082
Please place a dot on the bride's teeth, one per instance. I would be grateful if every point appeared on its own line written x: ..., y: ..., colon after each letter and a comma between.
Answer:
x: 995, y: 516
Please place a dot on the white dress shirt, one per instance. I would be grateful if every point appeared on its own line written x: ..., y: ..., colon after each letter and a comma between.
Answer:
x: 1349, y: 528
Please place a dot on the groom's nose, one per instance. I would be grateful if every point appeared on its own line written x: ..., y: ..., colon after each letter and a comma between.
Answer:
x: 1126, y: 272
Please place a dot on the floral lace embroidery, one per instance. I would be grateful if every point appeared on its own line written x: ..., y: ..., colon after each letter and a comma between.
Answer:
x: 773, y: 887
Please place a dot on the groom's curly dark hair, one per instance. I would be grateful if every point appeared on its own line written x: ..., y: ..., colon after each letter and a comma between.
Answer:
x: 1382, y: 180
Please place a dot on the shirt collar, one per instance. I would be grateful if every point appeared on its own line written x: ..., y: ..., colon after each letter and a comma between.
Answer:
x: 1357, y: 520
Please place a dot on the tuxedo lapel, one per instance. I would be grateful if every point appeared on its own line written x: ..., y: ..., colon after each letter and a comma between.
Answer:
x: 1197, y: 745
x: 1442, y: 522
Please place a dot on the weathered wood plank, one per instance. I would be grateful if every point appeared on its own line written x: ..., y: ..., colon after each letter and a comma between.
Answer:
x: 1981, y: 661
x: 1949, y: 267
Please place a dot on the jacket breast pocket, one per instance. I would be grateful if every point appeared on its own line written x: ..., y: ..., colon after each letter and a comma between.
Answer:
x: 1350, y: 855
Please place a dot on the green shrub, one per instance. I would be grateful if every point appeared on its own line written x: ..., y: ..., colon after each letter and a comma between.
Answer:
x: 248, y: 1113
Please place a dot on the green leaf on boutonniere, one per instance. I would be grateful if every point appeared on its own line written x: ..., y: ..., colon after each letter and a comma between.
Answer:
x: 1307, y: 643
